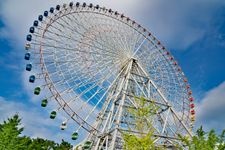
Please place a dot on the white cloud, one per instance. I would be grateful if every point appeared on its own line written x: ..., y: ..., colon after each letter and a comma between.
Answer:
x: 179, y: 24
x: 36, y: 121
x: 32, y: 118
x: 19, y: 16
x: 210, y: 111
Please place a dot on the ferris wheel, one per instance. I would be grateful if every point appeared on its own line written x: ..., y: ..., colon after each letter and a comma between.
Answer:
x: 94, y: 62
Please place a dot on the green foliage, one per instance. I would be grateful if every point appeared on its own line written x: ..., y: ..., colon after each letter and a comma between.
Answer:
x: 9, y: 134
x: 205, y: 141
x: 133, y: 142
x: 41, y: 144
x: 10, y: 138
x: 143, y: 124
x: 64, y: 146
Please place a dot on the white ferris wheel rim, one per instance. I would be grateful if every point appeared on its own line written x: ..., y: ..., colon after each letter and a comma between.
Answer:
x: 81, y: 51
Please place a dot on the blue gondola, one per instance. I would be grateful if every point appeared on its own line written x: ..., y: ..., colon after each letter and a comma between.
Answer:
x: 32, y: 78
x: 29, y: 37
x: 27, y: 56
x: 46, y: 13
x: 97, y: 6
x: 28, y: 67
x: 31, y: 29
x: 40, y: 17
x: 84, y: 4
x: 35, y: 23
x: 77, y: 4
x: 57, y: 7
x: 51, y: 10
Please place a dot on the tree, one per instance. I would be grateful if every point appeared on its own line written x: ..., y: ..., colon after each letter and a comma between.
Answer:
x: 143, y: 120
x: 205, y: 141
x: 10, y: 138
x: 41, y: 144
x: 64, y: 146
x: 9, y: 134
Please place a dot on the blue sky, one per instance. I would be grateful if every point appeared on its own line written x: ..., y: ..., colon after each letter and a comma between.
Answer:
x: 194, y: 31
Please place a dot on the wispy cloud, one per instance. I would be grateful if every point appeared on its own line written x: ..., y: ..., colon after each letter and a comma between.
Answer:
x: 210, y: 110
x: 179, y: 23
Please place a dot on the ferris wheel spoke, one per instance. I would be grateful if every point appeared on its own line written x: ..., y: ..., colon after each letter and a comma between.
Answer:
x: 123, y: 39
x: 129, y: 42
x: 114, y: 40
x: 52, y: 38
x: 115, y: 28
x: 166, y: 101
x: 122, y: 33
x: 136, y: 38
x: 62, y: 60
x: 138, y: 47
x: 109, y: 99
x: 102, y: 39
x: 102, y: 97
x: 88, y: 86
x: 83, y: 35
x: 78, y: 86
x: 144, y: 57
x: 70, y: 49
x: 68, y: 38
x: 103, y: 36
x: 95, y: 94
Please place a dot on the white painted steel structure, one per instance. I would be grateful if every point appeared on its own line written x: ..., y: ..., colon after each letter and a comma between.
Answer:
x: 95, y: 61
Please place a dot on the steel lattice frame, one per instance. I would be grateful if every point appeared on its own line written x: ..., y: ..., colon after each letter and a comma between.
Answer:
x: 94, y: 61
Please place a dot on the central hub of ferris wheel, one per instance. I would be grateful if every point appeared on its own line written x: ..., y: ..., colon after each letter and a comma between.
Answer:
x: 96, y: 64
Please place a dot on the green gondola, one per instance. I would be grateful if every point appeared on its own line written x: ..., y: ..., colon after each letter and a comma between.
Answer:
x: 87, y: 145
x: 53, y: 114
x: 37, y: 90
x: 74, y: 136
x: 44, y: 102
